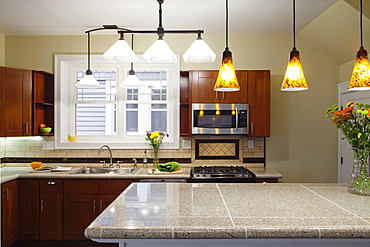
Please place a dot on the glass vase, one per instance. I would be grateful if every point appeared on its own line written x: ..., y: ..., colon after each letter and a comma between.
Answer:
x: 360, y: 179
x: 155, y: 156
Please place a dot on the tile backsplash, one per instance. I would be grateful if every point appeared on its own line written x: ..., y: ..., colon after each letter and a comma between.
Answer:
x: 33, y: 147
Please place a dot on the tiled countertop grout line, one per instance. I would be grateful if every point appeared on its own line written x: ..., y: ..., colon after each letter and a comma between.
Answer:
x: 334, y: 203
x: 227, y: 209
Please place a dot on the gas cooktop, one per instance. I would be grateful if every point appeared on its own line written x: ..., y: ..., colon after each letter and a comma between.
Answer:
x: 220, y: 174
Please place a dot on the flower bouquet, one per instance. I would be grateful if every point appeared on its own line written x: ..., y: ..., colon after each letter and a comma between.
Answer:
x: 155, y: 138
x: 354, y: 123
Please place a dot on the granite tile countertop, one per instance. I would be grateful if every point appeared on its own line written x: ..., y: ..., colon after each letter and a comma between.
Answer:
x: 11, y: 173
x: 233, y: 211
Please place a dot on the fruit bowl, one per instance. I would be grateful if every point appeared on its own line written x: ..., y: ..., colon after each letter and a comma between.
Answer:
x: 45, y: 130
x: 72, y: 138
x: 35, y: 164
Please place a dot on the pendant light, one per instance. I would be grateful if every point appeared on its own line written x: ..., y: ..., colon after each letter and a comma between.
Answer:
x: 120, y: 51
x: 159, y: 51
x: 131, y: 80
x: 199, y: 52
x: 294, y: 79
x: 226, y: 80
x: 88, y: 81
x: 360, y: 79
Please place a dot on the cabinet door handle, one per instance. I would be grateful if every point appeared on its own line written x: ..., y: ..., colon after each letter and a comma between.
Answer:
x: 94, y: 205
x: 51, y: 183
x: 216, y: 95
x: 26, y: 127
x: 252, y: 128
x: 223, y: 95
x: 6, y: 194
x: 41, y: 205
x: 101, y: 205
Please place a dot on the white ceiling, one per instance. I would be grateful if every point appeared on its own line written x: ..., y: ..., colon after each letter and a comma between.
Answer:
x: 73, y: 17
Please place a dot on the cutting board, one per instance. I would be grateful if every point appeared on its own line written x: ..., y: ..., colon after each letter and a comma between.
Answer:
x: 158, y: 172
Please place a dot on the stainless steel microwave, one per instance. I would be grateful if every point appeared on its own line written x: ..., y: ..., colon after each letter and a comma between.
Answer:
x: 220, y: 119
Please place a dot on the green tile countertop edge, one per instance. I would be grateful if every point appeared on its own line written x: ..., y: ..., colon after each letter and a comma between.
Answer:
x: 235, y: 211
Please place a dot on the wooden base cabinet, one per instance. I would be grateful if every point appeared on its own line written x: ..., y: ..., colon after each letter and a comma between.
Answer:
x: 29, y: 209
x: 84, y: 200
x: 9, y: 213
x: 51, y: 209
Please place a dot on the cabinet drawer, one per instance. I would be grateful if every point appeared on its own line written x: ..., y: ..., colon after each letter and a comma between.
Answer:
x: 51, y: 186
x: 81, y: 187
x: 113, y: 187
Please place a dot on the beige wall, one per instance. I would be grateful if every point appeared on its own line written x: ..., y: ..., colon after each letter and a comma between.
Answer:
x: 303, y: 144
x: 2, y: 49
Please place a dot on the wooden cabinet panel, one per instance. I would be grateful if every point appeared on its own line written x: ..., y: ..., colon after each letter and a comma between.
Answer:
x: 43, y: 103
x: 259, y: 103
x: 79, y: 212
x: 29, y: 209
x: 202, y: 88
x: 16, y: 102
x: 113, y: 187
x: 83, y: 187
x: 51, y: 209
x: 85, y: 200
x: 9, y: 213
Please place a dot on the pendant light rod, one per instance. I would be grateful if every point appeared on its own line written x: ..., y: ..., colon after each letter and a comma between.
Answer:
x: 132, y: 47
x: 123, y: 30
x: 294, y: 47
x: 361, y: 35
x: 227, y: 24
x: 88, y: 71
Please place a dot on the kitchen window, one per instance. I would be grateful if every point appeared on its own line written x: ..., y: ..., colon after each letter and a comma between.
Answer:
x: 113, y: 115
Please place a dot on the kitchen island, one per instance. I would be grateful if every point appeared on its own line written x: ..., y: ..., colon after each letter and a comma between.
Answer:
x: 184, y: 214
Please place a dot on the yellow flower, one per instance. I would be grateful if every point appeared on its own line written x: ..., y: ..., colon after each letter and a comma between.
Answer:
x: 349, y: 103
x: 155, y: 134
x: 359, y: 135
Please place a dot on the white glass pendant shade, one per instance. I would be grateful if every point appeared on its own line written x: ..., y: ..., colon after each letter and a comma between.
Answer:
x: 131, y: 81
x: 120, y: 52
x: 160, y: 52
x: 88, y: 81
x: 199, y: 52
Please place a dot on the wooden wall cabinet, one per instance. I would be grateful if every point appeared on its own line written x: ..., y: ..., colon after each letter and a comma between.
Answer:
x: 202, y: 84
x: 259, y: 103
x: 26, y: 101
x: 15, y: 102
x: 9, y: 213
x: 197, y: 87
x: 43, y: 101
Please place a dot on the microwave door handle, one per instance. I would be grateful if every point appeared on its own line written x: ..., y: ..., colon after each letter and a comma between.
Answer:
x: 236, y: 118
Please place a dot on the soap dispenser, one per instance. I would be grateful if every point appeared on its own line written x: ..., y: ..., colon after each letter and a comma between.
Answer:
x: 145, y: 160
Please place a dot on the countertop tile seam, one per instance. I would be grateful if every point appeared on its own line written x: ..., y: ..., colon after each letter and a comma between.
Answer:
x: 333, y: 203
x: 227, y: 209
x: 246, y: 232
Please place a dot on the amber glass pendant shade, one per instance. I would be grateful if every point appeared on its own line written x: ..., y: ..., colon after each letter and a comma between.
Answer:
x: 294, y: 79
x: 226, y: 80
x: 360, y: 79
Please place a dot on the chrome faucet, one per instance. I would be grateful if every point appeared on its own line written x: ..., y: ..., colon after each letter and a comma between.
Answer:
x: 135, y: 163
x: 110, y: 156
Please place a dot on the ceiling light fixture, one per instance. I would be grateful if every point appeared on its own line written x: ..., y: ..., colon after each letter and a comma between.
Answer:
x: 121, y: 51
x: 88, y: 81
x: 131, y: 80
x: 294, y: 79
x: 360, y: 79
x: 226, y: 80
x: 159, y: 51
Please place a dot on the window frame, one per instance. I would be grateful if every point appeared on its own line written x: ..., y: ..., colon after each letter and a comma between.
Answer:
x: 66, y: 65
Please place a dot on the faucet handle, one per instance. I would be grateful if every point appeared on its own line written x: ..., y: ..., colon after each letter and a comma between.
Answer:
x: 103, y: 161
x: 118, y: 163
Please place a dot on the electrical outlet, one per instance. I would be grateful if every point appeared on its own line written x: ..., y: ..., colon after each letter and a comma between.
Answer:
x: 47, y: 145
x: 186, y: 144
x: 250, y: 144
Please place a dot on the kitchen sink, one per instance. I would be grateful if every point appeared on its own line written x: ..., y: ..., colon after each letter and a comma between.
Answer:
x: 99, y: 170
